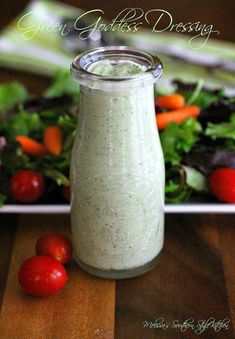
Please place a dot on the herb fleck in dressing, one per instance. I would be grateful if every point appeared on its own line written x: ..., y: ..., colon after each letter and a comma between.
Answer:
x: 117, y: 175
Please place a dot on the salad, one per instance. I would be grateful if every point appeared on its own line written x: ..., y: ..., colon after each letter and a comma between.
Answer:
x: 197, y: 132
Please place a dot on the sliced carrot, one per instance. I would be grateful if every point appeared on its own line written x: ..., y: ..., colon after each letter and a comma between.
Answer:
x: 53, y: 138
x: 30, y: 146
x: 163, y: 119
x: 174, y: 101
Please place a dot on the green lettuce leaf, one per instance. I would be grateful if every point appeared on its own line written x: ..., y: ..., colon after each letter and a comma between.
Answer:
x: 23, y: 123
x: 63, y: 83
x: 176, y: 189
x: 195, y: 179
x: 2, y: 199
x: 67, y: 122
x: 55, y: 175
x: 204, y: 98
x: 197, y: 94
x: 178, y: 139
x: 13, y: 159
x: 10, y: 94
x: 224, y: 130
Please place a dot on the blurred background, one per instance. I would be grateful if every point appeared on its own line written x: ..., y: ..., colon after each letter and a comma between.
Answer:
x: 46, y: 52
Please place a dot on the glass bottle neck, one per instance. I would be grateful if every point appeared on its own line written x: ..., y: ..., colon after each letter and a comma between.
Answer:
x: 145, y: 68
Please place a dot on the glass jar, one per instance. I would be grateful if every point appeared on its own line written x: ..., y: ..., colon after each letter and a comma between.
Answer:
x: 117, y: 167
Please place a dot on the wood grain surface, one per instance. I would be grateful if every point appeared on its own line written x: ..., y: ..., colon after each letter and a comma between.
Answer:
x: 83, y: 309
x: 8, y: 225
x: 194, y: 280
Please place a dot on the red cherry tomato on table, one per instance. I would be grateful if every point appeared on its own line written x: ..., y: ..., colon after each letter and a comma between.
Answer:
x: 222, y: 184
x: 42, y: 276
x: 55, y: 245
x: 27, y: 186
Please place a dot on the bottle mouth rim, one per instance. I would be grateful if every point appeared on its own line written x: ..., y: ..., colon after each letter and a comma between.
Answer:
x: 152, y: 65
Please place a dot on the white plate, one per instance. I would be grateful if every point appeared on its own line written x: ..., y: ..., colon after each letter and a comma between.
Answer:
x: 174, y: 208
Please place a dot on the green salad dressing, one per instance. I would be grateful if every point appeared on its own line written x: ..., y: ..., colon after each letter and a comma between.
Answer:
x: 117, y: 174
x: 120, y: 69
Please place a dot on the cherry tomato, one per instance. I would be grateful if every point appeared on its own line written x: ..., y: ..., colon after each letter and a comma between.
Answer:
x: 222, y: 184
x: 55, y: 245
x: 27, y: 186
x: 42, y: 276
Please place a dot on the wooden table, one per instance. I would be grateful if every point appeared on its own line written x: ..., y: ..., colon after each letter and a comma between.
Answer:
x: 195, y: 279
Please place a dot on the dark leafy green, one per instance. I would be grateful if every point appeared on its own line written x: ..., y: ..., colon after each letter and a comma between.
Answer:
x: 13, y: 159
x: 217, y: 112
x: 206, y: 159
x: 44, y: 104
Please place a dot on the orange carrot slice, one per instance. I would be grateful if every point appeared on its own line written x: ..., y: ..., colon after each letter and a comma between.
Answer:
x: 30, y: 146
x: 174, y: 101
x: 53, y: 138
x: 163, y: 119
